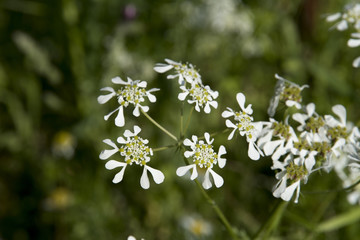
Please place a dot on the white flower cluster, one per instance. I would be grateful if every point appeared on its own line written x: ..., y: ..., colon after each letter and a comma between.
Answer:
x: 191, y: 85
x: 134, y: 150
x: 350, y: 17
x: 133, y: 93
x: 317, y: 143
x: 203, y: 157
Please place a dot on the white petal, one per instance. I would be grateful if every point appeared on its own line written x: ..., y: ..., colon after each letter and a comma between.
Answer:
x: 240, y: 97
x: 341, y: 112
x: 161, y: 67
x: 106, y: 117
x: 144, y: 180
x: 111, y: 143
x: 207, y: 138
x: 121, y: 140
x: 230, y: 124
x: 342, y: 25
x: 289, y: 191
x: 269, y: 147
x: 104, y: 98
x: 280, y: 187
x: 252, y: 152
x: 194, y: 173
x: 353, y: 42
x: 188, y: 154
x: 221, y: 161
x: 333, y: 17
x: 137, y: 129
x: 131, y: 238
x: 356, y: 62
x: 120, y: 120
x: 207, y: 183
x: 226, y: 114
x: 119, y: 176
x: 218, y: 180
x: 118, y: 80
x: 182, y: 96
x: 136, y: 111
x: 181, y: 171
x: 231, y: 135
x: 214, y: 104
x: 114, y: 164
x: 187, y: 142
x: 142, y: 84
x: 144, y: 108
x: 151, y: 97
x: 207, y: 108
x: 105, y: 154
x: 158, y: 176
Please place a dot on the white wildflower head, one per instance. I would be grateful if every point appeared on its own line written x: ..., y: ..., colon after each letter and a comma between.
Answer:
x: 133, y: 238
x: 132, y: 93
x: 203, y: 156
x: 349, y: 17
x: 287, y: 92
x: 202, y: 96
x: 184, y: 72
x: 292, y: 172
x: 354, y: 41
x: 133, y: 150
x: 244, y: 125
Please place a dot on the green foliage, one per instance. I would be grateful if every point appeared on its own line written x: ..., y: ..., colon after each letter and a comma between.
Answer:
x: 56, y: 55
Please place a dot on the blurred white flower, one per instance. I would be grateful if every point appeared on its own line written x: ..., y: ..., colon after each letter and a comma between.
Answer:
x: 245, y: 125
x: 203, y: 156
x: 196, y: 225
x: 354, y: 41
x: 350, y: 16
x: 134, y: 149
x: 133, y: 238
x: 184, y: 72
x: 133, y: 93
x: 203, y: 97
x: 64, y: 144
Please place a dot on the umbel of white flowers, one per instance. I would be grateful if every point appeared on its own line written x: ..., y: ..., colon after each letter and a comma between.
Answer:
x: 133, y: 93
x: 134, y: 150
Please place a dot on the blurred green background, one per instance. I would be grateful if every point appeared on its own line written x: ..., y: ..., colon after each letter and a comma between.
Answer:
x: 56, y: 55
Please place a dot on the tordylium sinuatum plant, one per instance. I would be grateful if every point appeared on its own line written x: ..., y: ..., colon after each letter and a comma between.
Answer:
x: 300, y: 145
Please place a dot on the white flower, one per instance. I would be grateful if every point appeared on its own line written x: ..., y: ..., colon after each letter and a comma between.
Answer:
x: 132, y: 238
x: 291, y: 93
x: 203, y: 97
x: 203, y: 156
x: 351, y: 16
x: 355, y: 42
x: 196, y: 225
x: 184, y: 72
x: 354, y: 177
x: 284, y: 139
x: 245, y: 125
x: 291, y: 173
x: 134, y: 149
x: 133, y: 93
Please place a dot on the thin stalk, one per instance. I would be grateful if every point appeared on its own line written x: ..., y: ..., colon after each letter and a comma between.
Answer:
x: 216, y: 208
x: 272, y: 222
x: 188, y: 120
x: 164, y: 148
x: 159, y: 126
x: 182, y: 121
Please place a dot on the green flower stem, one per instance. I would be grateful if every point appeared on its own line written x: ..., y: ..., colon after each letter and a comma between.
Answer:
x: 164, y: 148
x: 216, y: 208
x: 159, y: 126
x: 272, y: 222
x: 188, y: 119
x: 182, y: 121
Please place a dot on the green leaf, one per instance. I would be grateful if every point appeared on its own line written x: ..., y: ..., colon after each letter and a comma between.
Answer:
x: 340, y: 221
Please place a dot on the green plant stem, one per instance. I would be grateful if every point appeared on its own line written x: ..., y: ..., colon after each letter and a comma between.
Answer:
x: 182, y: 121
x: 272, y: 222
x: 216, y: 208
x: 164, y: 148
x: 159, y: 126
x: 188, y: 120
